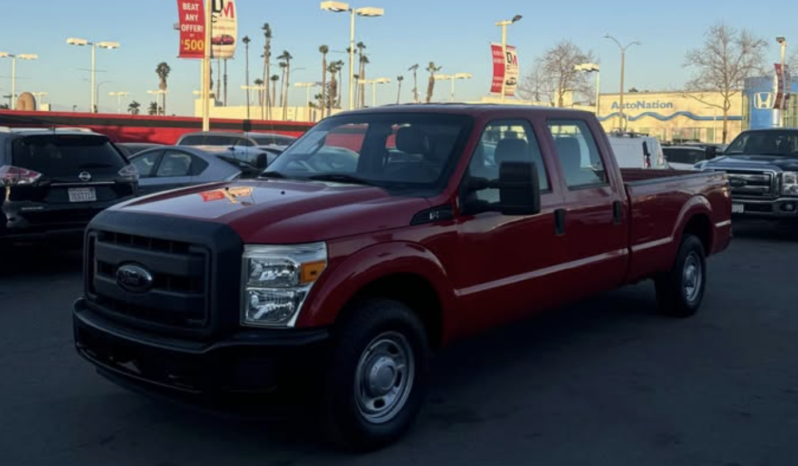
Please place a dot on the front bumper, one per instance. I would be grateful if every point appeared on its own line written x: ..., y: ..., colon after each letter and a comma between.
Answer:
x: 250, y: 362
x: 777, y: 209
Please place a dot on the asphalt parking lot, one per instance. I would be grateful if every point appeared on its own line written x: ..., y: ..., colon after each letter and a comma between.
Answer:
x: 606, y: 382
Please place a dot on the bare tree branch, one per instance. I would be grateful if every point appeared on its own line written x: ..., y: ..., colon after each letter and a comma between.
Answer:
x: 720, y: 66
x: 554, y: 74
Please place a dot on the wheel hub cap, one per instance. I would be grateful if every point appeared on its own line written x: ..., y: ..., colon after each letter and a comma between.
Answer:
x: 692, y: 277
x: 384, y: 378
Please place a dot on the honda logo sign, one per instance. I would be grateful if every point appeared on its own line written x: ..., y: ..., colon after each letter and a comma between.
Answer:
x: 763, y: 100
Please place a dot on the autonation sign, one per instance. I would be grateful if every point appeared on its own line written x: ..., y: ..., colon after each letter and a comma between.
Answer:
x: 643, y: 105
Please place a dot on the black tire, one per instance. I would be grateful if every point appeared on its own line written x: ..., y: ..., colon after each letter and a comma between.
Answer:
x: 346, y: 418
x: 680, y: 292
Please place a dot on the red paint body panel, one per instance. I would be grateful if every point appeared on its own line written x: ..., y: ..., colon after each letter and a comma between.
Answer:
x: 143, y: 128
x: 487, y: 269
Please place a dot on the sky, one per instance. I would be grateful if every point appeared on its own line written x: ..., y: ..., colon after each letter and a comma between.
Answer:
x: 455, y: 34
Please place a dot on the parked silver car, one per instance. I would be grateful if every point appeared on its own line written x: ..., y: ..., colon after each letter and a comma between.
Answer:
x: 172, y: 167
x: 244, y: 145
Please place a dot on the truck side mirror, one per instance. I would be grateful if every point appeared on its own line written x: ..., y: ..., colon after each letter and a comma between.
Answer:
x: 519, y: 191
x: 712, y: 152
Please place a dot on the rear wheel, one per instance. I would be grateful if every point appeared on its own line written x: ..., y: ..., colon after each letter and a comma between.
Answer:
x: 680, y: 292
x: 376, y: 376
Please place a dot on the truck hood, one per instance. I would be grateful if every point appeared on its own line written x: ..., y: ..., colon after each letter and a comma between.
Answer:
x: 742, y: 162
x: 284, y: 211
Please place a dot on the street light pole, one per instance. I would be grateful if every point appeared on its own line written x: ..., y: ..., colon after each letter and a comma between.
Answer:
x: 452, y: 78
x: 593, y: 68
x: 93, y: 71
x: 13, y: 57
x: 368, y: 12
x: 118, y: 96
x: 621, y: 115
x: 206, y: 70
x: 503, y: 25
x: 307, y: 87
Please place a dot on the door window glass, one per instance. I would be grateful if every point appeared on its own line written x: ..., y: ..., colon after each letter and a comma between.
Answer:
x: 174, y: 164
x: 578, y: 154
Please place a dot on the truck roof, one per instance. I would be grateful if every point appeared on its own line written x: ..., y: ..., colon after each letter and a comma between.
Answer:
x: 467, y: 109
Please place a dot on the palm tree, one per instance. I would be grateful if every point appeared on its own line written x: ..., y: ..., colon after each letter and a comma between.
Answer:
x: 324, y: 51
x: 259, y: 83
x: 163, y: 71
x: 275, y: 78
x: 218, y: 80
x: 225, y: 82
x: 399, y: 79
x: 134, y: 108
x: 153, y: 110
x: 286, y: 58
x: 267, y: 57
x: 340, y: 64
x: 334, y: 68
x: 246, y: 40
x: 431, y: 86
x: 359, y: 94
x: 283, y: 65
x: 363, y: 62
x: 414, y: 69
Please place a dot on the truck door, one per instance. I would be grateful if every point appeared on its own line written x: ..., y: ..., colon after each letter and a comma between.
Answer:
x: 592, y: 221
x: 506, y: 262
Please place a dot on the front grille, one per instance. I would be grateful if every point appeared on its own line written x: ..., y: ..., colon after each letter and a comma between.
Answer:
x: 178, y: 301
x: 752, y: 184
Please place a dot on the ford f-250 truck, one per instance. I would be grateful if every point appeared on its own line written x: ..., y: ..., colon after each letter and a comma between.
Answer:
x: 377, y: 237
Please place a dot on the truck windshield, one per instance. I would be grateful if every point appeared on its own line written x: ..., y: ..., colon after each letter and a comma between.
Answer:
x: 385, y: 149
x: 770, y: 142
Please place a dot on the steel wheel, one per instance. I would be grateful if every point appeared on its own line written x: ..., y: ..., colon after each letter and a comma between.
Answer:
x: 384, y: 377
x: 692, y: 277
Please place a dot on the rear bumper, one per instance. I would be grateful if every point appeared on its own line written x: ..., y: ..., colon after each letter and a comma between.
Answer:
x: 251, y: 362
x: 776, y: 209
x: 31, y: 220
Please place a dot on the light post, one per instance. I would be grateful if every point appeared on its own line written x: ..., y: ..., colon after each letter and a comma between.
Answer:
x: 39, y: 97
x: 94, y: 45
x: 623, y: 71
x: 367, y: 12
x: 307, y: 87
x: 452, y: 78
x: 374, y: 83
x: 13, y: 57
x: 593, y: 68
x: 784, y: 84
x: 156, y: 93
x: 249, y: 89
x: 503, y: 25
x: 119, y: 96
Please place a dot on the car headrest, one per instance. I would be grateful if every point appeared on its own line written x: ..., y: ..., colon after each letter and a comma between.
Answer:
x: 412, y: 140
x: 569, y: 152
x: 512, y: 150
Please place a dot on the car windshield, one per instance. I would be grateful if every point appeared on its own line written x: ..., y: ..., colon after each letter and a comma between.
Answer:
x: 212, y: 140
x: 269, y: 140
x: 780, y: 143
x: 686, y: 155
x: 63, y: 155
x: 379, y: 149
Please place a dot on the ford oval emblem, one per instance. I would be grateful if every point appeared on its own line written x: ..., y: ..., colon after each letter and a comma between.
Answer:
x: 134, y: 278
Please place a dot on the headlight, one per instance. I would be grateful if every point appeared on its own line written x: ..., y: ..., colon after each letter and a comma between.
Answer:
x: 277, y: 280
x: 789, y: 183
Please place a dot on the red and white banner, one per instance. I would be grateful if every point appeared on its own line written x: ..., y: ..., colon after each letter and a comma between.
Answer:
x: 191, y: 14
x: 505, y: 70
x: 782, y: 87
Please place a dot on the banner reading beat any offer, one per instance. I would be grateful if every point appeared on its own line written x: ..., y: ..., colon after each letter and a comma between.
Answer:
x: 191, y: 16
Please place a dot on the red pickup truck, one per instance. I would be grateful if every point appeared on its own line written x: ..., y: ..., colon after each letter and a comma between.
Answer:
x: 377, y: 237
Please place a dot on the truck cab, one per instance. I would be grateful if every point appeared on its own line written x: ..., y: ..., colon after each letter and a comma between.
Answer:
x: 378, y: 237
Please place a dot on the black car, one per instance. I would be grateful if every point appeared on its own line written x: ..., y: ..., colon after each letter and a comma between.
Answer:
x: 56, y: 181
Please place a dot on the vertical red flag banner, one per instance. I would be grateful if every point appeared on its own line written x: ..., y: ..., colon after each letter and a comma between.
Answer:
x: 191, y: 15
x: 505, y: 70
x: 782, y: 87
x: 224, y: 28
x: 499, y: 68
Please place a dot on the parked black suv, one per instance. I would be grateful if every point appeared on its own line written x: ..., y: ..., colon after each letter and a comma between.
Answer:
x: 55, y: 181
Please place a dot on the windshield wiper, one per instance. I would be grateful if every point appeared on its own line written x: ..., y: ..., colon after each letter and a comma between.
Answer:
x: 340, y: 178
x: 277, y: 175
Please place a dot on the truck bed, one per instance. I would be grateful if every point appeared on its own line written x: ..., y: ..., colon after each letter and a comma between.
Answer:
x: 660, y: 202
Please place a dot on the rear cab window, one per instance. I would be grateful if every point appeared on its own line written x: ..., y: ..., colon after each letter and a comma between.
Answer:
x: 58, y: 155
x: 578, y: 154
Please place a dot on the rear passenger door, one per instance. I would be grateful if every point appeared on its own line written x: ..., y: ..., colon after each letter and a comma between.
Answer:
x: 174, y: 171
x: 592, y: 220
x: 505, y: 268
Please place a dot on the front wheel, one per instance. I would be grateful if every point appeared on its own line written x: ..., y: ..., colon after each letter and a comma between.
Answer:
x: 680, y: 291
x: 376, y: 376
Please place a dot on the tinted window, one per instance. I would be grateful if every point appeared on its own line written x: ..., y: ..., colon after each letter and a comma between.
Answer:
x: 578, y: 154
x: 64, y: 155
x: 385, y: 149
x: 272, y: 140
x: 174, y: 164
x: 145, y: 163
x: 198, y: 166
x: 504, y: 141
x: 771, y: 142
x: 688, y: 156
x: 214, y: 140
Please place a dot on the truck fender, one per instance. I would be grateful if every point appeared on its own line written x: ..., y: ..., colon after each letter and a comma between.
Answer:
x: 368, y: 265
x: 696, y: 205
